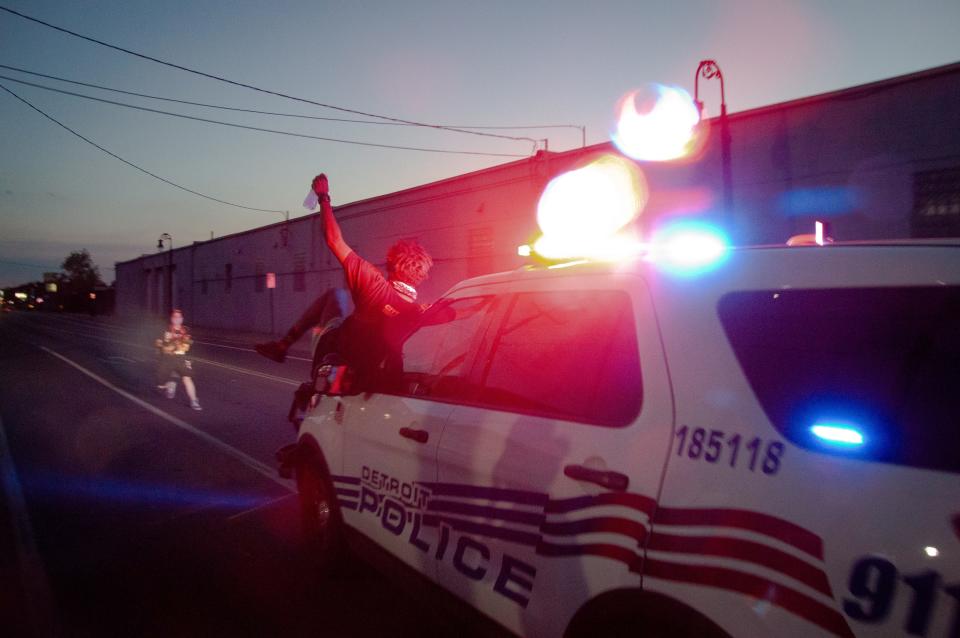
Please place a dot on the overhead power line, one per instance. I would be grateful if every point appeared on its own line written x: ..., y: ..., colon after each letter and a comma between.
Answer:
x: 259, y: 89
x: 257, y: 128
x: 274, y: 113
x: 17, y: 263
x: 131, y: 164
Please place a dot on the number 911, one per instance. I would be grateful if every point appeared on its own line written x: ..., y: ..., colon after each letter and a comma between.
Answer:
x: 874, y: 583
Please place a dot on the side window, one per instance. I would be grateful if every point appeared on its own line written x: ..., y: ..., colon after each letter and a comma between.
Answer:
x: 883, y: 364
x: 436, y: 357
x: 567, y: 354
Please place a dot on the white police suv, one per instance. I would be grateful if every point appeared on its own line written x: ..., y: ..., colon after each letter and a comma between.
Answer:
x: 765, y: 445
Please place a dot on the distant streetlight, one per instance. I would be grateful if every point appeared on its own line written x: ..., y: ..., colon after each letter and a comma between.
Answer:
x: 169, y: 239
x: 709, y: 70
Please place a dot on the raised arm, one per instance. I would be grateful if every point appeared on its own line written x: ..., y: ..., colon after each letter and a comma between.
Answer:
x: 331, y: 229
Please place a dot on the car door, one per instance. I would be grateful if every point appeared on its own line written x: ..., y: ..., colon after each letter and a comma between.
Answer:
x: 547, y: 481
x: 391, y: 434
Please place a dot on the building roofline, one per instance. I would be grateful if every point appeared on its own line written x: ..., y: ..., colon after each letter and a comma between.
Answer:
x: 848, y: 92
x: 368, y: 200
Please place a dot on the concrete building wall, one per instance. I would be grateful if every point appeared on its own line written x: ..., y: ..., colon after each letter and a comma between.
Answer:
x: 863, y: 158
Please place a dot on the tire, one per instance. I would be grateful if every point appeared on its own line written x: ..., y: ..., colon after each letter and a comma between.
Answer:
x: 320, y: 516
x: 638, y: 614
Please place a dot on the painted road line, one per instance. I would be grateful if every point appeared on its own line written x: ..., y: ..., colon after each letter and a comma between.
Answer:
x: 39, y: 598
x: 220, y: 345
x: 108, y: 328
x: 253, y: 373
x: 249, y: 461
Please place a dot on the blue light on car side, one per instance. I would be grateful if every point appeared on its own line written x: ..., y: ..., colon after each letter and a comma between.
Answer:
x: 838, y: 434
x: 689, y: 248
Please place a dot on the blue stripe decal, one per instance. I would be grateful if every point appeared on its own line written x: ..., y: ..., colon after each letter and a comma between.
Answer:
x: 605, y: 524
x: 491, y: 493
x: 353, y: 480
x: 348, y: 493
x: 480, y: 529
x: 349, y: 505
x: 469, y: 509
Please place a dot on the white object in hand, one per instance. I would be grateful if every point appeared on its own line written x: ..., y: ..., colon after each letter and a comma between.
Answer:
x: 311, y: 200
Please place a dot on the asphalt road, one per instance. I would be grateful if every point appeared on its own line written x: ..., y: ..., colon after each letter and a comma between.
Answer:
x: 125, y: 513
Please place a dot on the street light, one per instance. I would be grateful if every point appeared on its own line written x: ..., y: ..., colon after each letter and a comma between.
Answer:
x: 169, y: 239
x: 709, y: 69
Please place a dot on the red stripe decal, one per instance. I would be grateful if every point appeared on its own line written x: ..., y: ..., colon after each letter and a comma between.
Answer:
x: 755, y: 586
x: 744, y: 550
x: 788, y: 532
x: 614, y: 552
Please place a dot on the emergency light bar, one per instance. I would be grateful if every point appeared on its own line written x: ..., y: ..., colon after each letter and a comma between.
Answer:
x: 681, y: 249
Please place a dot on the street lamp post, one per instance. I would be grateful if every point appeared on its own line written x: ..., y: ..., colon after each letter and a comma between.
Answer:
x: 709, y: 70
x: 169, y: 239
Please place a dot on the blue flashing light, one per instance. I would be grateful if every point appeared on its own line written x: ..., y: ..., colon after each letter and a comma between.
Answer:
x: 838, y: 433
x: 689, y: 248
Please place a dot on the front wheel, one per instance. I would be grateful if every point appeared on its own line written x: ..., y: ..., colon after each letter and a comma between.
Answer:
x: 320, y: 516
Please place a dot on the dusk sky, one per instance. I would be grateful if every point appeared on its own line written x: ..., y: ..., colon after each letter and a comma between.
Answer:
x: 454, y: 63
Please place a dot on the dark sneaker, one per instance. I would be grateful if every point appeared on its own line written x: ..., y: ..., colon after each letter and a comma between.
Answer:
x: 274, y: 350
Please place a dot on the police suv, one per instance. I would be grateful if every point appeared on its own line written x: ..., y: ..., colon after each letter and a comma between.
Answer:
x: 767, y: 444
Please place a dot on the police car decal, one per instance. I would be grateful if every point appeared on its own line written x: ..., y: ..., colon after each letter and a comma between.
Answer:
x: 550, y: 527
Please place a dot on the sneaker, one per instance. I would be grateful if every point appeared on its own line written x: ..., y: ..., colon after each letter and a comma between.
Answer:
x: 274, y: 350
x: 195, y: 405
x: 171, y: 390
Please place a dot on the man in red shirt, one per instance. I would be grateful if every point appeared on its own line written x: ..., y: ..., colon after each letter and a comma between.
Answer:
x: 385, y: 308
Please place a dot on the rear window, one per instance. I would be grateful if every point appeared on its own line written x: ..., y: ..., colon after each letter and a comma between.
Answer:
x: 569, y: 355
x: 883, y: 363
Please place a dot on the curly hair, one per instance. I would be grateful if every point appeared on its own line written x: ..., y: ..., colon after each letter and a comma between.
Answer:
x: 407, y: 261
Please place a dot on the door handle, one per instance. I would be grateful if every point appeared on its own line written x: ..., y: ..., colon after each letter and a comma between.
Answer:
x: 610, y: 480
x: 420, y: 436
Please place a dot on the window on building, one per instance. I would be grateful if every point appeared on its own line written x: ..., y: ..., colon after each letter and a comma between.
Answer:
x: 436, y: 358
x: 228, y: 278
x: 299, y: 273
x: 568, y: 355
x: 259, y: 277
x: 479, y: 251
x: 881, y: 363
x: 158, y: 288
x: 936, y: 203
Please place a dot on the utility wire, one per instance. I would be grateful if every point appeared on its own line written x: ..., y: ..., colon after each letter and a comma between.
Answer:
x: 17, y: 263
x: 256, y: 128
x: 256, y: 88
x: 296, y: 115
x: 131, y: 164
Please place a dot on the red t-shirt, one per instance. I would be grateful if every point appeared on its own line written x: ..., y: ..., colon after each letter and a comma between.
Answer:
x: 382, y: 316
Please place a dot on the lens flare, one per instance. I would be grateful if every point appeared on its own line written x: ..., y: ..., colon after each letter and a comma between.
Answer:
x: 689, y: 248
x: 657, y: 123
x: 594, y: 201
x: 838, y: 433
x: 616, y: 247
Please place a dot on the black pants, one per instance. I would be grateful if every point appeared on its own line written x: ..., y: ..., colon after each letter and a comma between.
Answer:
x: 170, y: 363
x: 331, y: 304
